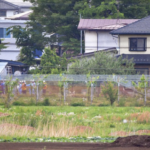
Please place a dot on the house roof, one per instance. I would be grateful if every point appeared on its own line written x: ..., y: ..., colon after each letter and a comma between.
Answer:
x: 4, y: 5
x: 138, y: 59
x: 21, y: 16
x: 103, y: 24
x: 139, y: 27
x: 20, y: 3
x: 12, y: 63
x: 86, y: 55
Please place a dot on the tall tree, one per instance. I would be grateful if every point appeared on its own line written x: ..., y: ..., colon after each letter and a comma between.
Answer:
x: 30, y: 39
x: 51, y: 63
x: 135, y: 9
x: 62, y: 17
x: 101, y: 9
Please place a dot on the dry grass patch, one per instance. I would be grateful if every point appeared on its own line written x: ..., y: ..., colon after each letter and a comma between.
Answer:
x: 123, y: 133
x: 140, y: 117
x: 3, y: 114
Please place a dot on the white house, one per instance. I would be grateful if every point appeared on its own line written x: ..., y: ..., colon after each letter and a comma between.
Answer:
x: 9, y: 8
x: 12, y: 51
x: 97, y: 33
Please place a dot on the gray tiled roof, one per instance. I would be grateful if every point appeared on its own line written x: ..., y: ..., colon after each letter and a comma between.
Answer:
x: 139, y: 27
x: 20, y: 3
x: 5, y: 6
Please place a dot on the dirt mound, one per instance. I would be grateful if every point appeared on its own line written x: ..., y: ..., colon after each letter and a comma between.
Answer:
x: 139, y: 141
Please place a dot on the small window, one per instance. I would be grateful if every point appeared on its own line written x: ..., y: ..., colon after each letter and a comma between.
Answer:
x: 2, y: 13
x: 137, y: 44
x: 3, y: 33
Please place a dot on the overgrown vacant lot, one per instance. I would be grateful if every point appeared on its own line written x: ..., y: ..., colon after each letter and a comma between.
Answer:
x: 67, y: 121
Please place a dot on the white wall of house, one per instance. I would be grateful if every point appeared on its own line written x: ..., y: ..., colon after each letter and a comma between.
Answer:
x: 106, y: 40
x: 125, y: 44
x: 90, y: 41
x: 25, y: 9
x: 12, y: 51
x: 99, y: 40
x: 10, y: 13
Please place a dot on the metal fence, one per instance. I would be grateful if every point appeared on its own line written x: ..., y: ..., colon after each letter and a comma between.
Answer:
x: 77, y: 89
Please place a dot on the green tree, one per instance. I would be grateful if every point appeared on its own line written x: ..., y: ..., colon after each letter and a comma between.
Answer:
x: 103, y: 63
x: 135, y: 9
x: 142, y: 87
x: 101, y: 9
x: 110, y: 91
x: 50, y: 62
x: 62, y: 17
x: 30, y: 39
x: 10, y: 84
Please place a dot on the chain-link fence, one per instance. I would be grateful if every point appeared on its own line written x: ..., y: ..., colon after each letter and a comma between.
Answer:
x: 77, y: 90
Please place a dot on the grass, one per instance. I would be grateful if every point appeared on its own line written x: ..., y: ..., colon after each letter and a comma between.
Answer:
x: 67, y: 121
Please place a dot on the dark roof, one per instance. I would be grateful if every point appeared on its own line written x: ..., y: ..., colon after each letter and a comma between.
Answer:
x: 138, y: 59
x: 6, y: 5
x: 103, y: 24
x: 13, y: 63
x: 85, y: 55
x: 139, y: 27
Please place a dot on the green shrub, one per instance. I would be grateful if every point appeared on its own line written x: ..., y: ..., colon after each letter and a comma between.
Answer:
x: 110, y: 91
x: 46, y: 102
x: 122, y: 102
x: 112, y: 126
x: 19, y: 103
x: 77, y: 104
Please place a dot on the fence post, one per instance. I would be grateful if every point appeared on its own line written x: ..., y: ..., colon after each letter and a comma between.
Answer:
x: 64, y: 93
x: 91, y: 93
x: 145, y: 96
x: 37, y: 93
x: 118, y: 90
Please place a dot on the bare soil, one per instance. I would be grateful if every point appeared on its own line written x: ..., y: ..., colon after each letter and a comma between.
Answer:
x: 124, y: 143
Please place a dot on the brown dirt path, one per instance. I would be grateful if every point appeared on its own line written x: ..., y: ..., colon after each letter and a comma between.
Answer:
x: 63, y: 146
x: 126, y: 143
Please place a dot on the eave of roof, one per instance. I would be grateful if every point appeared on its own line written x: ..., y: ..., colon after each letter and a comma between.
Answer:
x: 140, y: 27
x: 138, y: 59
x: 11, y: 4
x: 12, y: 63
x: 21, y: 16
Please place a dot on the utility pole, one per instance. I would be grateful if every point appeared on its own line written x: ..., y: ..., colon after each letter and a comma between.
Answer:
x: 80, y: 38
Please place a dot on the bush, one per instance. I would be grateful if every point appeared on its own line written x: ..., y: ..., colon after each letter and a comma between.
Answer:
x: 18, y: 103
x: 46, y: 102
x: 122, y: 102
x: 110, y: 91
x: 77, y: 104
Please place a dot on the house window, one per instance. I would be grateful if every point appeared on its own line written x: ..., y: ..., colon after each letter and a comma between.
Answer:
x: 141, y: 71
x: 2, y: 13
x: 3, y: 33
x: 9, y: 70
x: 137, y: 44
